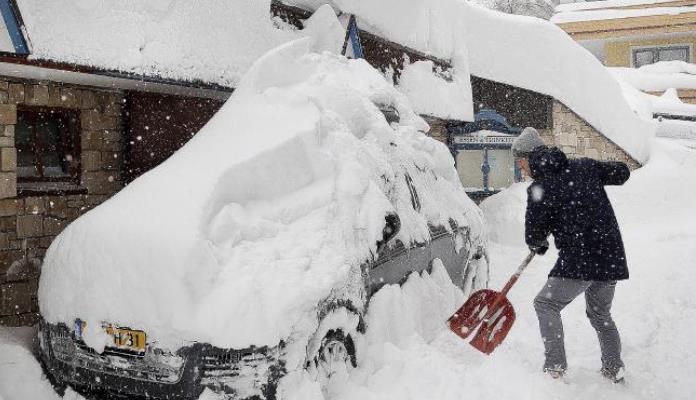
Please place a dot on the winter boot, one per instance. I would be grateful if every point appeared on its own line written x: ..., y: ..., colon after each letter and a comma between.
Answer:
x: 614, y: 374
x: 555, y: 373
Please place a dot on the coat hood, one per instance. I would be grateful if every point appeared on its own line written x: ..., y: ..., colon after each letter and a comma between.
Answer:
x: 547, y: 161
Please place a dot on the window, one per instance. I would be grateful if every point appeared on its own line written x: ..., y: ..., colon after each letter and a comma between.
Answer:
x: 47, y: 142
x: 650, y: 55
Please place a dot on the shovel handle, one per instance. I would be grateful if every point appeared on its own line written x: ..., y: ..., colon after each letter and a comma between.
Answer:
x: 508, y: 285
x: 516, y: 275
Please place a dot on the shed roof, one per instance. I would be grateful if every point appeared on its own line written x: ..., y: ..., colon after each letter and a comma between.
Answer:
x: 169, y: 39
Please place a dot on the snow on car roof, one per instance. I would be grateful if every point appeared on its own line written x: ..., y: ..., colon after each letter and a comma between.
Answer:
x: 271, y: 206
x: 521, y: 51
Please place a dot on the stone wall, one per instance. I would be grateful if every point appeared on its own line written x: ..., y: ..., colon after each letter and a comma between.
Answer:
x: 577, y: 138
x: 30, y: 220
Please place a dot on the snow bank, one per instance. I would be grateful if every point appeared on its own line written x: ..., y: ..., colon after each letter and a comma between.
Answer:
x: 399, y: 316
x: 269, y: 209
x: 510, y: 49
x: 504, y: 215
x: 215, y: 41
x: 21, y: 377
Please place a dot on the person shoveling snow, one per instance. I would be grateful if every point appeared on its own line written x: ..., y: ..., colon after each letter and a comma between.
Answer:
x: 567, y: 200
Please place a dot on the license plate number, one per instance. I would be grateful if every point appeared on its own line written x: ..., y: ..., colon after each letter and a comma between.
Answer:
x: 127, y: 339
x: 123, y: 339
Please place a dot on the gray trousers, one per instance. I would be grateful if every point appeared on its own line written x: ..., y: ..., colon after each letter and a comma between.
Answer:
x: 558, y: 293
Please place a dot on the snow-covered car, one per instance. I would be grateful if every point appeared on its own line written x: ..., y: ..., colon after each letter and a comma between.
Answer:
x: 255, y: 249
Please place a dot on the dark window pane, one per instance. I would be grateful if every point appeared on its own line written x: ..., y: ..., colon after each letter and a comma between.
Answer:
x: 26, y: 164
x: 643, y: 57
x: 45, y: 143
x: 48, y: 134
x: 22, y: 133
x: 674, y: 54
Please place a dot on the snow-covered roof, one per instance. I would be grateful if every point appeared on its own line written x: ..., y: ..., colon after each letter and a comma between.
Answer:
x: 669, y: 103
x: 604, y: 14
x: 218, y: 42
x: 186, y: 41
x: 525, y: 52
x: 659, y: 76
x: 213, y: 42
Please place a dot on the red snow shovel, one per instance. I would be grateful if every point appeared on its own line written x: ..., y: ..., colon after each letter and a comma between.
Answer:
x: 489, y: 309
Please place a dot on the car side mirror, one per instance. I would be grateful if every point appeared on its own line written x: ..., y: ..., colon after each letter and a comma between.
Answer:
x: 390, y: 114
x: 392, y: 225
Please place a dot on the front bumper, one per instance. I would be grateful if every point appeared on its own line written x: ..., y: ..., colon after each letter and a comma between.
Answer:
x: 159, y: 374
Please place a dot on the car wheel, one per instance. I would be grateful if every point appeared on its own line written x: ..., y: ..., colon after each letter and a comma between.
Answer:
x: 334, y: 360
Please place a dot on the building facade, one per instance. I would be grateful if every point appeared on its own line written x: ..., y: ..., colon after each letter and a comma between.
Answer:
x: 635, y: 34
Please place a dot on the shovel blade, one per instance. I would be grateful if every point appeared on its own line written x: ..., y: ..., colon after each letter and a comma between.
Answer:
x: 470, y: 315
x: 494, y: 329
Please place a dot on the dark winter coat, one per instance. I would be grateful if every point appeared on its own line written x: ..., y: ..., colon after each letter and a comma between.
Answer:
x: 567, y: 199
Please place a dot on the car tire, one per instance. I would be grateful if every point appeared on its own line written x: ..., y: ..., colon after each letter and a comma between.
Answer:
x: 334, y: 360
x: 332, y: 352
x: 58, y: 386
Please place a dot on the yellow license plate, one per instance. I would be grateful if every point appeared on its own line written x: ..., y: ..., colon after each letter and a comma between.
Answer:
x: 123, y: 339
x: 127, y: 339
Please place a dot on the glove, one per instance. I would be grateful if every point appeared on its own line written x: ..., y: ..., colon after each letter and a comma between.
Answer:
x: 540, y: 248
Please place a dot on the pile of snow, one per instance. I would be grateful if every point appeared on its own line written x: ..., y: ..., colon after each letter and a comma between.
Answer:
x: 509, y: 49
x: 267, y: 210
x: 214, y: 42
x: 21, y: 377
x: 502, y: 213
x: 437, y: 95
x: 399, y: 316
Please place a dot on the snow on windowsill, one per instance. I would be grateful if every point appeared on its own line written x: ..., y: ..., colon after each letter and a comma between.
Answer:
x: 41, y: 188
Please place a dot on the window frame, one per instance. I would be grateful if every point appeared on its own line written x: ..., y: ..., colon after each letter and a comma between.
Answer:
x: 67, y: 141
x: 656, y: 52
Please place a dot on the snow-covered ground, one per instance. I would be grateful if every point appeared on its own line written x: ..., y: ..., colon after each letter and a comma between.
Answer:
x: 415, y: 357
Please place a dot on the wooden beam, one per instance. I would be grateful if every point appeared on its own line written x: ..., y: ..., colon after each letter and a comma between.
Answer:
x: 646, y: 21
x: 610, y: 34
x: 619, y: 27
x: 676, y: 3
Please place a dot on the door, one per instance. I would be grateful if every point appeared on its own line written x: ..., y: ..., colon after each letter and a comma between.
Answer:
x: 469, y: 168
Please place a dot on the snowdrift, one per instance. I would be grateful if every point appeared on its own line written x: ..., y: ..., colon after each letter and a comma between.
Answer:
x: 267, y: 210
